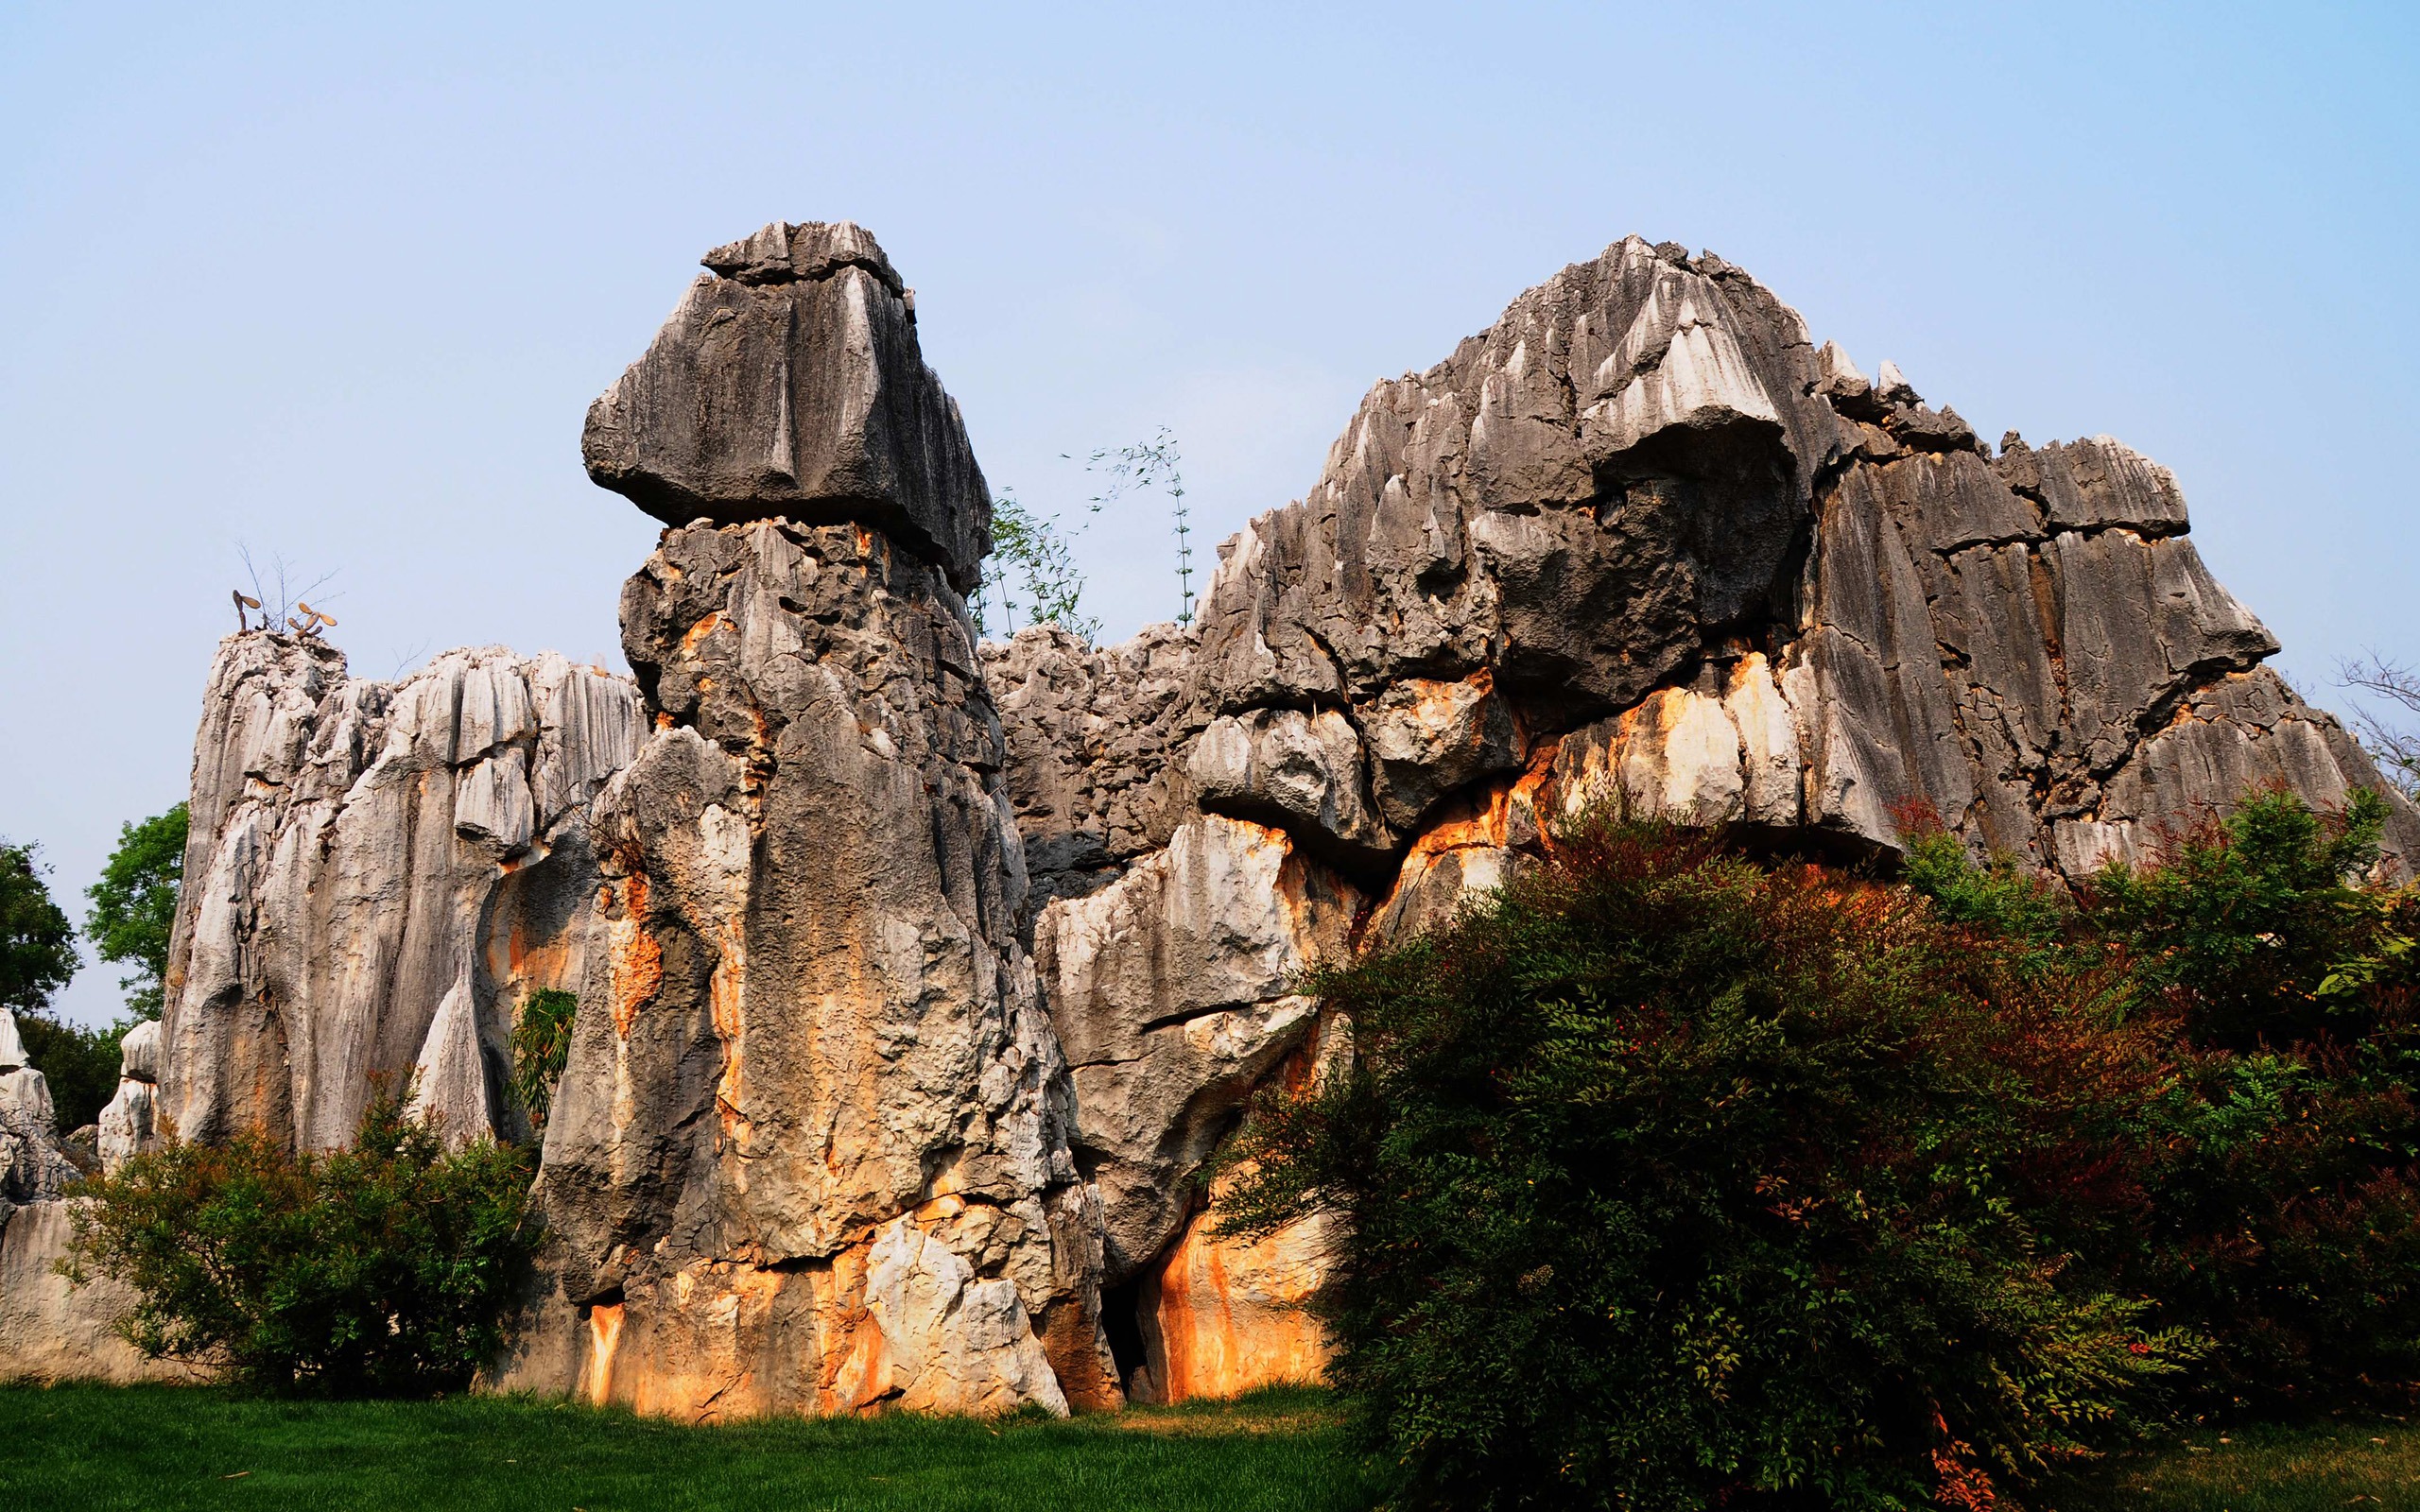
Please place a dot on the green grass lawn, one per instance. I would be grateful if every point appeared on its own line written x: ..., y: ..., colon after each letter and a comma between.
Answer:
x: 94, y: 1447
x: 2330, y: 1466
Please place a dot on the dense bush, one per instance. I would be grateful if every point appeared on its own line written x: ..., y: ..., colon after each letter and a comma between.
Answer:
x: 1673, y: 1178
x: 382, y: 1269
x: 2285, y: 1224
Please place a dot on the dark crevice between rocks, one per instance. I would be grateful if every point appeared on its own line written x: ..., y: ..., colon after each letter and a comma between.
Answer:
x: 1121, y: 1321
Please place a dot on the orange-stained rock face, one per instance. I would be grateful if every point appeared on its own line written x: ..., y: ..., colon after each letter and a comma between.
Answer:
x: 814, y: 1157
x: 1221, y: 1316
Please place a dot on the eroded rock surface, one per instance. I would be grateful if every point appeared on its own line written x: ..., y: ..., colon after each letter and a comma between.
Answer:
x: 1639, y: 540
x: 789, y: 383
x: 363, y: 852
x: 811, y: 1151
x: 919, y: 981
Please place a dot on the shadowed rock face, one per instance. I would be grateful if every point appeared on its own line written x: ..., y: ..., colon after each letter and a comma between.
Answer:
x: 789, y: 383
x: 917, y: 981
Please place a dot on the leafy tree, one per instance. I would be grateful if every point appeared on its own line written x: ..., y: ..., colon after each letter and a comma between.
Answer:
x: 2286, y: 1222
x: 134, y: 906
x: 384, y: 1269
x: 37, y: 943
x: 1674, y: 1180
x: 2283, y: 1213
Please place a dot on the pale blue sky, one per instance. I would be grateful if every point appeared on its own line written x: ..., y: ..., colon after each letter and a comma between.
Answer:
x: 339, y: 283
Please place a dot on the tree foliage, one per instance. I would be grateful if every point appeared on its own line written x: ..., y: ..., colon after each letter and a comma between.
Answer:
x: 540, y: 1049
x: 1677, y: 1178
x: 80, y: 1064
x: 1146, y: 465
x: 1671, y: 1177
x: 134, y: 906
x: 1041, y: 565
x: 384, y: 1269
x: 37, y: 943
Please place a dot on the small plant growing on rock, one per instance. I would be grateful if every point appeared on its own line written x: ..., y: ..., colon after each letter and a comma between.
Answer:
x: 1037, y: 551
x: 540, y: 1049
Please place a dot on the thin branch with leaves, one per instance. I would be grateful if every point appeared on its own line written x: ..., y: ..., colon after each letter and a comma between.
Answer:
x: 1036, y: 550
x: 1146, y: 465
x: 2395, y: 745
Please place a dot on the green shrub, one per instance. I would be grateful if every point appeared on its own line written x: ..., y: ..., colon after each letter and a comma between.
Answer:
x: 1671, y: 1178
x: 540, y: 1049
x: 2287, y: 1220
x: 384, y: 1269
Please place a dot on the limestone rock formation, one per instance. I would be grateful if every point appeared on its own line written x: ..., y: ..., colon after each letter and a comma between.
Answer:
x: 130, y: 1122
x: 361, y: 854
x: 811, y: 1153
x: 920, y: 980
x: 789, y: 383
x: 1638, y: 540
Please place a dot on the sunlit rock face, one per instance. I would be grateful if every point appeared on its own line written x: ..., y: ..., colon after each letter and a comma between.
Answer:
x: 811, y: 1152
x: 378, y: 875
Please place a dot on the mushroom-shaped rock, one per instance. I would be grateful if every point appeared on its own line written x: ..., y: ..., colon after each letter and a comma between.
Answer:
x: 789, y: 384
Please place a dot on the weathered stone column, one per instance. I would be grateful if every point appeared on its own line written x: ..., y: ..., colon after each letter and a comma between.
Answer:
x: 810, y: 1154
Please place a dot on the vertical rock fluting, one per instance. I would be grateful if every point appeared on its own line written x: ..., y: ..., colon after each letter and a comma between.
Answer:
x: 918, y: 983
x: 1639, y: 539
x: 810, y: 1154
x: 378, y: 876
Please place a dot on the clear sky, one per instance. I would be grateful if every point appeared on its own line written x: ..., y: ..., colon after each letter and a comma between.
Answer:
x: 338, y: 283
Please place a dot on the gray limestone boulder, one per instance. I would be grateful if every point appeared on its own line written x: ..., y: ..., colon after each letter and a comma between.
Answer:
x: 811, y: 1151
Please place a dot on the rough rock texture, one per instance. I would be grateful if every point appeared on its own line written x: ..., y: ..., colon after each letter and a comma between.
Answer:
x: 130, y: 1122
x: 1639, y: 539
x: 813, y: 1153
x: 918, y: 982
x: 813, y: 1156
x: 361, y: 854
x: 789, y: 383
x: 52, y: 1328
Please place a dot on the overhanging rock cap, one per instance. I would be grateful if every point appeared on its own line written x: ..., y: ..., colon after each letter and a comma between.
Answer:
x: 789, y: 382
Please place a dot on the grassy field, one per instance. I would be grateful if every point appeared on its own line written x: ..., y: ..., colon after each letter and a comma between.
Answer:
x: 94, y: 1447
x: 2259, y: 1469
